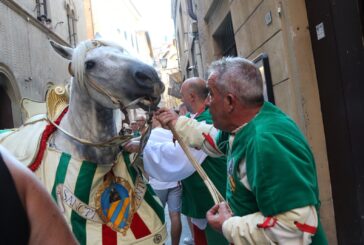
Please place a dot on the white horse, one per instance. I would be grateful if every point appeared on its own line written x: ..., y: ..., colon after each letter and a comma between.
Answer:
x: 75, y: 152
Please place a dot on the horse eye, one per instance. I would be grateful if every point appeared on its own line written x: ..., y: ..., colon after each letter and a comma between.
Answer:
x: 89, y: 64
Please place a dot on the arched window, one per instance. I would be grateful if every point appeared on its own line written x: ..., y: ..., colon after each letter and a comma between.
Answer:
x: 6, y: 114
x: 10, y: 113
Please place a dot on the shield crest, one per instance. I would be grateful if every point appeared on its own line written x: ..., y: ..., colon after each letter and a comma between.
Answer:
x: 115, y: 204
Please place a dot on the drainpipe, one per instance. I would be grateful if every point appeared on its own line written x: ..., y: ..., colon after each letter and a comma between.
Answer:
x: 195, y: 40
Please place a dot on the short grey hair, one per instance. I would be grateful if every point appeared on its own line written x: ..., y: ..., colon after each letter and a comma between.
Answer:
x: 240, y: 77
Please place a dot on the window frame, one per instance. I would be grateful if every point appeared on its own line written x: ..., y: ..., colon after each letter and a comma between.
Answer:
x: 262, y: 62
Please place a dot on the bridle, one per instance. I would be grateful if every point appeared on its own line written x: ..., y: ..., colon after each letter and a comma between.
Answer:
x: 117, y: 140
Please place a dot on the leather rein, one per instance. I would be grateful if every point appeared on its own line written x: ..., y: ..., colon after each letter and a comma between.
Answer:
x: 117, y: 140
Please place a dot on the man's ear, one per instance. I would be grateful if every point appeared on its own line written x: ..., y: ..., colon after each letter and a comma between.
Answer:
x: 192, y: 96
x: 230, y: 101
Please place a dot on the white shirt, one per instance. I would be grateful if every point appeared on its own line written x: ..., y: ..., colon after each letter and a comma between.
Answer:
x: 165, y: 160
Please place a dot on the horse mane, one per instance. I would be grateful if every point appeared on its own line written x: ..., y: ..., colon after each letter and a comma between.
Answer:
x: 79, y: 55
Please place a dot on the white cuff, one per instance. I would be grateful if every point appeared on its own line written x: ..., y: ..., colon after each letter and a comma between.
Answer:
x: 191, y: 131
x: 228, y: 225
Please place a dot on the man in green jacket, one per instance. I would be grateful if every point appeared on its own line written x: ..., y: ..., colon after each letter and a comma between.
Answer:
x: 272, y: 192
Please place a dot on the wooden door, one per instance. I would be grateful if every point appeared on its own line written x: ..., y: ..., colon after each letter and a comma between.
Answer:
x: 336, y: 29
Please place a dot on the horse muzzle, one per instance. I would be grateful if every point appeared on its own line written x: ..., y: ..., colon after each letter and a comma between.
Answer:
x: 147, y: 79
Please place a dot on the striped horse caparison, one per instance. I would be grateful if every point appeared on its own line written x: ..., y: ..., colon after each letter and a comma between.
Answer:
x: 103, y: 197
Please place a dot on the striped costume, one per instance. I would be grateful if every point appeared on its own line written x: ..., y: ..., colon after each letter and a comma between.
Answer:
x: 103, y: 204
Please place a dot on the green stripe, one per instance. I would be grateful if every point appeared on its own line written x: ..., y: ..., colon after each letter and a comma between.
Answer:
x: 82, y: 191
x: 148, y: 197
x: 60, y: 173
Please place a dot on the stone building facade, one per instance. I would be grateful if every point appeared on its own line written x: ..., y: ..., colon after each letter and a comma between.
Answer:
x: 27, y: 61
x: 309, y: 45
x: 166, y: 63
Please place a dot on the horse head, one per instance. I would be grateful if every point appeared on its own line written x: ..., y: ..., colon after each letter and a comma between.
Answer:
x: 111, y: 76
x: 75, y: 150
x: 105, y: 77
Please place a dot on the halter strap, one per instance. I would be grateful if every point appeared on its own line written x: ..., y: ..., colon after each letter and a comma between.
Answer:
x: 117, y: 140
x: 103, y: 91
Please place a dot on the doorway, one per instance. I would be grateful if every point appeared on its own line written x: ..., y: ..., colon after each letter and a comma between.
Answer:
x: 336, y: 29
x: 6, y: 114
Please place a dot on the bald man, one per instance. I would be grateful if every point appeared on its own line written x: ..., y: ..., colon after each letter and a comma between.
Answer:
x: 196, y: 199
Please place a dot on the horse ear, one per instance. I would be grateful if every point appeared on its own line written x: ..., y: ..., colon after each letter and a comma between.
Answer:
x: 64, y: 51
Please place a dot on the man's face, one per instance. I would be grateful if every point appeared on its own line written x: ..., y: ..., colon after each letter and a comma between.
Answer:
x: 141, y: 122
x: 216, y: 103
x: 183, y: 110
x: 134, y: 126
x: 186, y: 97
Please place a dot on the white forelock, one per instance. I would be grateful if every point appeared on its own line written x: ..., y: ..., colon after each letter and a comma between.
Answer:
x: 79, y: 55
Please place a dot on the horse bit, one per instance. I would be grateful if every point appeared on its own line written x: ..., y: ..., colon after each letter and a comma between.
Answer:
x: 120, y: 139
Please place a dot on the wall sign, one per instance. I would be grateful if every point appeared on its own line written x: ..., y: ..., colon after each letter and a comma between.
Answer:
x: 320, y: 31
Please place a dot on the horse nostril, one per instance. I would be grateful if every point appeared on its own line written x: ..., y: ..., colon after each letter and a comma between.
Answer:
x: 148, y: 79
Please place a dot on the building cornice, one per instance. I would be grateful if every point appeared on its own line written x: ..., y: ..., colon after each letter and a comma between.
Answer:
x: 31, y: 19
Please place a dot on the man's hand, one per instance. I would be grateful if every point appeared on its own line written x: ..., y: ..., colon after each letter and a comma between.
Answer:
x: 132, y: 146
x: 218, y: 214
x: 166, y: 116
